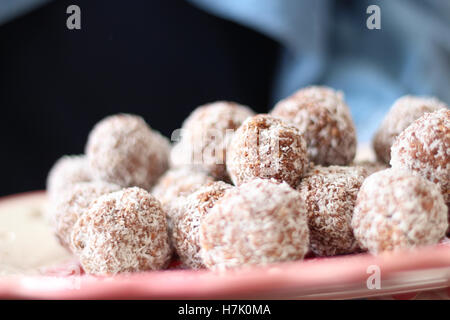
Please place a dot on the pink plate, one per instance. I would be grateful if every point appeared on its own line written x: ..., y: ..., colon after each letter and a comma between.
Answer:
x: 402, y: 274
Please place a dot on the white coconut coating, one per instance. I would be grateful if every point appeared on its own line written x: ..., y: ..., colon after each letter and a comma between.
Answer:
x: 177, y: 182
x: 330, y: 196
x: 260, y: 222
x: 73, y: 203
x: 205, y: 136
x: 398, y: 210
x: 424, y: 149
x: 67, y: 171
x: 267, y: 147
x: 189, y: 214
x: 403, y: 112
x: 124, y: 231
x: 325, y: 120
x: 174, y: 185
x: 124, y: 150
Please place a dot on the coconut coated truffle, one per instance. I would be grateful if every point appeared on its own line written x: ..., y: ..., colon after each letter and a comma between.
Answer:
x: 72, y: 204
x: 424, y: 149
x: 324, y: 119
x: 260, y: 222
x: 124, y: 150
x: 174, y: 185
x: 190, y: 213
x: 403, y: 112
x: 370, y: 166
x: 330, y: 196
x: 67, y: 171
x: 178, y: 182
x: 205, y: 136
x: 397, y: 210
x: 124, y: 231
x: 267, y: 147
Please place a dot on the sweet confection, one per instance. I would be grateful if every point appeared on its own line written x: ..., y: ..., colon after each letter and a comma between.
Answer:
x: 324, y: 119
x: 403, y: 112
x: 205, y: 136
x: 190, y: 213
x: 123, y: 231
x: 124, y: 150
x: 330, y: 196
x: 398, y: 210
x: 267, y: 147
x: 260, y: 222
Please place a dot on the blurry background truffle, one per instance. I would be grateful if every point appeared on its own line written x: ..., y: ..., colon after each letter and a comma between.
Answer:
x: 161, y: 58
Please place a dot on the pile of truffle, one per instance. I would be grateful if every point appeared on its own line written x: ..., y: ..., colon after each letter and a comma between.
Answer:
x: 242, y: 189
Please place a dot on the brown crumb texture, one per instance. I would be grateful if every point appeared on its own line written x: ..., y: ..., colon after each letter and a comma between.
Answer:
x: 324, y: 119
x: 124, y: 150
x: 398, y: 210
x: 187, y: 219
x: 124, y: 231
x: 330, y: 196
x: 403, y: 112
x: 267, y: 147
x: 206, y: 134
x: 72, y: 204
x: 260, y: 222
x: 424, y: 149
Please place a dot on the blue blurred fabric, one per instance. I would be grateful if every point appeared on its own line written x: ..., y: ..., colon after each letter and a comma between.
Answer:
x: 327, y: 42
x: 10, y: 9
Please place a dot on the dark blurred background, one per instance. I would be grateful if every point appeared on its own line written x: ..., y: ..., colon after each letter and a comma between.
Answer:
x: 158, y: 59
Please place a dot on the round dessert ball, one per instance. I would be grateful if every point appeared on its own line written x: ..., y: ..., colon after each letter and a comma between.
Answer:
x: 174, y: 185
x: 205, y: 136
x: 267, y: 147
x: 187, y: 219
x: 325, y: 120
x: 124, y: 231
x: 330, y: 196
x: 124, y: 150
x: 424, y: 149
x: 397, y: 210
x: 403, y: 112
x: 260, y: 222
x: 72, y: 204
x: 67, y: 171
x: 178, y: 182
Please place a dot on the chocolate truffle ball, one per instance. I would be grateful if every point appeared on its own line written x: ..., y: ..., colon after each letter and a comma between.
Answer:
x: 178, y: 182
x: 72, y: 204
x: 330, y: 196
x: 424, y: 149
x: 175, y: 184
x: 260, y: 222
x: 267, y: 147
x: 324, y: 119
x: 403, y: 112
x: 124, y: 231
x: 187, y: 219
x: 67, y: 171
x: 124, y: 150
x: 398, y: 210
x: 205, y: 136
